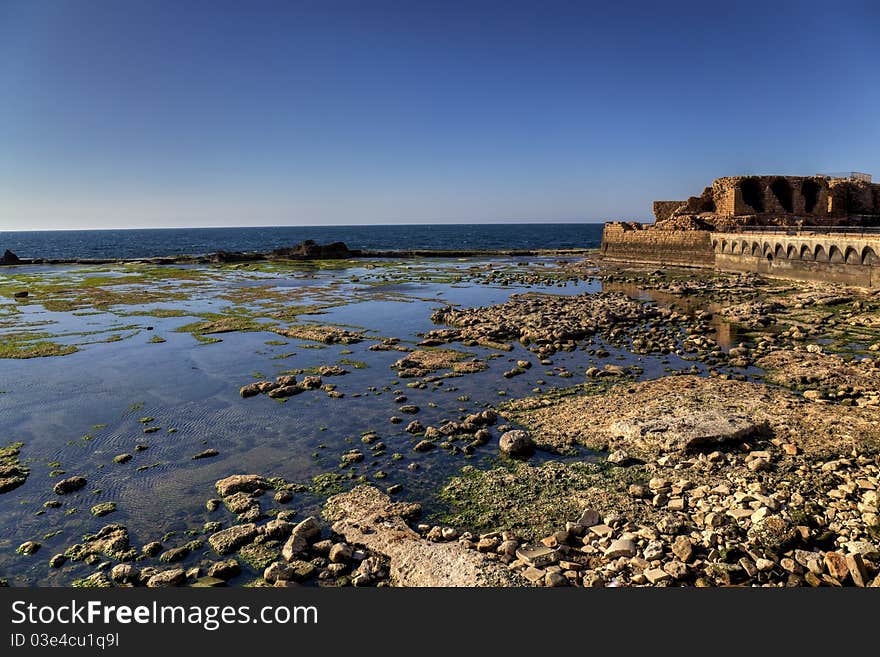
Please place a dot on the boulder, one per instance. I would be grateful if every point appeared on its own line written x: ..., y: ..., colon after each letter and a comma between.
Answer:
x: 516, y: 443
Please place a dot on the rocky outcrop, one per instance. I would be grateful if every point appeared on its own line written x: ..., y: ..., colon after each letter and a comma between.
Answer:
x: 311, y: 250
x: 12, y: 473
x: 9, y: 258
x: 554, y: 322
x: 367, y: 517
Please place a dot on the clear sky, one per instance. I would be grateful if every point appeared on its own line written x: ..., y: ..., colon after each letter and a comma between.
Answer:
x: 118, y: 114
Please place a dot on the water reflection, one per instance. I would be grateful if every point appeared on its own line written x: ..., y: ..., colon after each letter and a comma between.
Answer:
x: 726, y: 334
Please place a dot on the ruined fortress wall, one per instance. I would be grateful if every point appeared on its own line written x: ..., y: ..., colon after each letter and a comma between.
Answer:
x: 664, y: 209
x: 632, y: 243
x: 846, y: 258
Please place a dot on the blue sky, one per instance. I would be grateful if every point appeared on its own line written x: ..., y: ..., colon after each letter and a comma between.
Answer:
x: 119, y: 114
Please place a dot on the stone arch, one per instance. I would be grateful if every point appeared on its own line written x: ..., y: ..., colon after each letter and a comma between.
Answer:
x: 810, y: 190
x: 735, y: 247
x: 851, y: 256
x: 715, y: 245
x: 835, y: 254
x: 756, y: 249
x: 779, y: 251
x: 806, y: 252
x: 781, y: 189
x: 869, y: 256
x: 767, y: 248
x: 819, y: 255
x: 752, y: 193
x: 791, y: 252
x: 724, y: 248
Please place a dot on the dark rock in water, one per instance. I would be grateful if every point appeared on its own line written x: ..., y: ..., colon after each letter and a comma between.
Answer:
x: 69, y: 485
x: 9, y: 258
x: 311, y: 250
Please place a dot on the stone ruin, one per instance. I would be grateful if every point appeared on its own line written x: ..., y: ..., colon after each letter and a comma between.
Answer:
x: 817, y: 228
x: 740, y: 201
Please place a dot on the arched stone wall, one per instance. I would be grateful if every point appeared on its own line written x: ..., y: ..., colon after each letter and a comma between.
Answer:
x: 845, y: 258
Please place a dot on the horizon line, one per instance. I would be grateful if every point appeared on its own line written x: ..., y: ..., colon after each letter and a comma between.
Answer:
x: 439, y: 223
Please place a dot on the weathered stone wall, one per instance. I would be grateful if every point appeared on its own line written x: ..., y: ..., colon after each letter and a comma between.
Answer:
x: 625, y: 242
x: 850, y: 259
x: 664, y: 209
x: 846, y: 258
x: 780, y: 200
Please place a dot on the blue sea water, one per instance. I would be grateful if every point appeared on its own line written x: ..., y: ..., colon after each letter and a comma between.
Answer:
x: 144, y: 243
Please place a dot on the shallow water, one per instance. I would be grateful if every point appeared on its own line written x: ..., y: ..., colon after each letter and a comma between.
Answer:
x: 82, y: 409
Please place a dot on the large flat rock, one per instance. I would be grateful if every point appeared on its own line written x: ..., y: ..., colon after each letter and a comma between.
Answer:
x: 367, y: 517
x: 679, y: 413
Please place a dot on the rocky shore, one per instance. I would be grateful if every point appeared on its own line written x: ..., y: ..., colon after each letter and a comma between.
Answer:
x: 696, y: 430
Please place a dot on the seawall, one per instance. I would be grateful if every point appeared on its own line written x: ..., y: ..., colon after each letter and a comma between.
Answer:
x: 624, y: 242
x: 849, y: 258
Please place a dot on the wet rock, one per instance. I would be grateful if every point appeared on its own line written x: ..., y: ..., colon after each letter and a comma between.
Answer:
x: 93, y: 581
x: 224, y: 570
x: 311, y: 382
x: 246, y: 483
x: 111, y: 541
x: 250, y: 390
x: 167, y: 578
x: 125, y: 573
x: 69, y: 485
x: 103, y: 509
x: 415, y: 427
x: 308, y: 529
x: 424, y: 446
x: 57, y: 561
x: 240, y: 502
x: 204, y: 454
x: 283, y: 496
x: 285, y: 391
x: 28, y: 548
x: 122, y: 458
x: 231, y: 539
x: 279, y: 571
x: 152, y: 549
x: 277, y: 529
x: 175, y: 554
x: 340, y: 553
x: 516, y: 443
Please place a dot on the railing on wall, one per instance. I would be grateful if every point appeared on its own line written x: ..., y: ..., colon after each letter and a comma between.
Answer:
x: 800, y: 230
x: 849, y: 175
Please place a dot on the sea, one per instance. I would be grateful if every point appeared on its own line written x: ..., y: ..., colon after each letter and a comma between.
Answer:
x: 145, y: 243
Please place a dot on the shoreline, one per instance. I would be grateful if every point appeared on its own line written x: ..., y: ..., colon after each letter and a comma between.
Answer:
x: 222, y: 257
